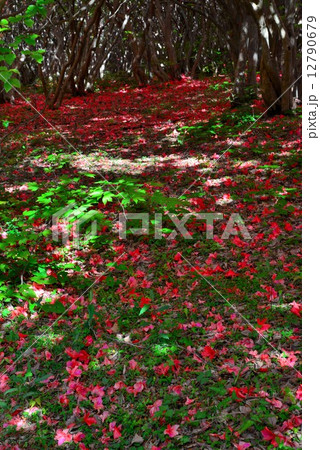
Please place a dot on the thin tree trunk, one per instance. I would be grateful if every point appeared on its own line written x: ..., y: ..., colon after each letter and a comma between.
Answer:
x: 166, y: 27
x: 238, y: 93
x: 200, y: 49
x: 253, y: 55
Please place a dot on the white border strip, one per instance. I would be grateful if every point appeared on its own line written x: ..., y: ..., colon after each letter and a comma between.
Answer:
x: 311, y: 242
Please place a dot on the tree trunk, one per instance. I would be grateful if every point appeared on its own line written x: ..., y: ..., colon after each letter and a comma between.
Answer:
x: 166, y: 27
x: 238, y: 93
x: 253, y: 55
x: 275, y: 87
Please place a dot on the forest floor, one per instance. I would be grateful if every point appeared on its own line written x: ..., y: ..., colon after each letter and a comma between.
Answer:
x: 147, y: 342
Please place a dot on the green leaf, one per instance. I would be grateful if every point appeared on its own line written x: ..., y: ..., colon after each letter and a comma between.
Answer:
x: 8, y: 58
x: 90, y: 175
x: 108, y: 196
x: 11, y: 391
x: 32, y: 307
x: 31, y: 10
x: 91, y: 311
x: 28, y: 374
x: 144, y: 309
x: 40, y: 280
x: 15, y: 82
x: 15, y: 19
x: 6, y: 312
x: 7, y: 87
x: 37, y: 55
x: 29, y: 23
x: 33, y: 186
x: 98, y: 192
x: 27, y: 292
x: 31, y: 40
x: 29, y: 213
x: 56, y: 307
x: 247, y: 424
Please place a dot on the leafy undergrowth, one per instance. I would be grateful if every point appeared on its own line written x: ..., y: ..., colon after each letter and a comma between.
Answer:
x: 144, y: 342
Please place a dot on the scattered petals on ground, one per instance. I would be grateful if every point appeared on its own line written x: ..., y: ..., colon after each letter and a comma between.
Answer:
x: 144, y: 342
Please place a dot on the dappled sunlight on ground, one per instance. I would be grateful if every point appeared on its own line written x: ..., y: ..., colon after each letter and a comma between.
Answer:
x: 148, y: 330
